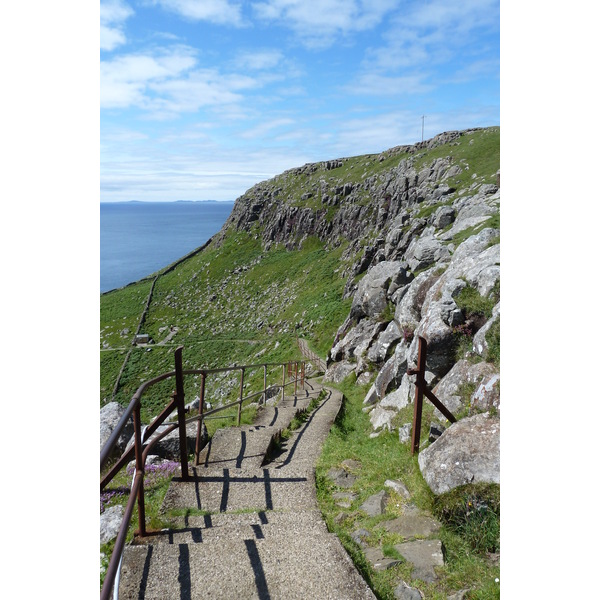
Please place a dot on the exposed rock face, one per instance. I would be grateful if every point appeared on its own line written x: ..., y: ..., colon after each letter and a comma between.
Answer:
x: 463, y: 373
x: 371, y: 298
x: 467, y: 452
x: 415, y: 242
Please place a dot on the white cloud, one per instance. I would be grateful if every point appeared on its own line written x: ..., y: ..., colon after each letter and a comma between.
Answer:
x: 201, y: 88
x: 113, y: 15
x: 259, y: 60
x: 381, y: 85
x: 426, y: 33
x: 167, y: 84
x: 317, y: 23
x: 124, y: 81
x: 221, y: 12
x: 265, y: 128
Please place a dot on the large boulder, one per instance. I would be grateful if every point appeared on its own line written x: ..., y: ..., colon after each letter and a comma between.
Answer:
x: 337, y: 372
x: 357, y: 340
x: 467, y: 452
x: 424, y: 251
x: 168, y: 447
x: 448, y: 390
x: 110, y: 415
x: 390, y: 375
x: 378, y: 352
x: 371, y: 298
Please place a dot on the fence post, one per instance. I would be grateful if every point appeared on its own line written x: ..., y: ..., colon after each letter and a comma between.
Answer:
x: 420, y: 384
x: 283, y: 383
x: 296, y: 378
x: 181, y: 413
x: 265, y: 384
x: 200, y: 420
x: 139, y: 467
x: 239, y: 415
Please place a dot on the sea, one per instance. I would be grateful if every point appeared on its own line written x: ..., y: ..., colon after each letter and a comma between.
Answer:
x: 140, y: 238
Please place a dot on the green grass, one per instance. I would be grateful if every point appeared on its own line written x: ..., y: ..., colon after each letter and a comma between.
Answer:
x: 474, y: 304
x: 116, y: 492
x: 384, y: 458
x: 274, y: 296
x: 482, y: 156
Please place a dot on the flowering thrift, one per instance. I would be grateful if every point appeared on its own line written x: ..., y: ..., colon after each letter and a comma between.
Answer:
x: 154, y: 475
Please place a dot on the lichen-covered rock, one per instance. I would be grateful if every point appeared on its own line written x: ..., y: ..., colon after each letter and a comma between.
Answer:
x: 467, y: 452
x: 379, y: 351
x: 110, y: 415
x: 487, y: 395
x: 371, y: 297
x: 480, y: 345
x: 337, y: 372
x: 357, y: 340
x: 110, y: 522
x: 450, y: 390
x: 381, y: 418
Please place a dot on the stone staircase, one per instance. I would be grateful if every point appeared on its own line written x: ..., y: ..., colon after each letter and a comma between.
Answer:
x: 248, y: 524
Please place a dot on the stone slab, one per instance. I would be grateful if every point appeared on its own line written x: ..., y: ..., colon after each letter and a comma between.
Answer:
x: 424, y: 555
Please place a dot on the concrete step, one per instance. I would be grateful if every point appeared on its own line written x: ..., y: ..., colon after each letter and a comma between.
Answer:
x: 227, y: 490
x: 214, y: 528
x: 307, y: 567
x: 237, y: 447
x: 280, y: 416
x: 302, y: 449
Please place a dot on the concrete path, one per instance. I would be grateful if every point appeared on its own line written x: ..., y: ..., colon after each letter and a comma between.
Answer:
x: 251, y: 527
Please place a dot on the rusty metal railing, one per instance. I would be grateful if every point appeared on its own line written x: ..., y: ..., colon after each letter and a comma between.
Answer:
x: 143, y: 443
x: 423, y: 390
x: 310, y: 355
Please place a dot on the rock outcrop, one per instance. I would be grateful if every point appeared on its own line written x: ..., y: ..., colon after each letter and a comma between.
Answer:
x: 467, y: 452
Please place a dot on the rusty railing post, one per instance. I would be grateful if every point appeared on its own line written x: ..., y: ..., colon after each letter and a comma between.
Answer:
x: 139, y: 467
x: 296, y: 378
x: 283, y: 383
x: 265, y: 384
x: 200, y: 420
x: 239, y: 415
x: 181, y: 413
x: 420, y: 385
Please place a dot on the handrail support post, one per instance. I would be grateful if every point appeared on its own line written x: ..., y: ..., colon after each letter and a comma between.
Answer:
x: 200, y: 420
x: 181, y: 413
x: 239, y: 414
x: 139, y: 468
x: 420, y: 383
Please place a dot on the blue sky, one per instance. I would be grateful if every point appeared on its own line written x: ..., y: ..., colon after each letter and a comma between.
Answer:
x: 201, y: 99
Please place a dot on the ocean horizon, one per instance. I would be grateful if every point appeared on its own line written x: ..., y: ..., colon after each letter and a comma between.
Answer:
x: 138, y: 238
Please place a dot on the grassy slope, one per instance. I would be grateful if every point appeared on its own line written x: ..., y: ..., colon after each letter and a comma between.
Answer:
x: 225, y: 317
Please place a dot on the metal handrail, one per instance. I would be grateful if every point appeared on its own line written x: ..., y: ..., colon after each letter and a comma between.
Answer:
x: 143, y: 442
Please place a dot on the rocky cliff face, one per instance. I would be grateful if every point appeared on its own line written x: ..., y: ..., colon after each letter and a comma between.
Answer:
x: 423, y: 259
